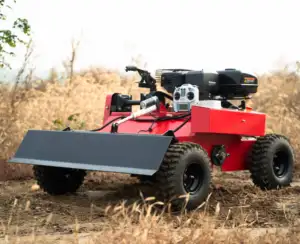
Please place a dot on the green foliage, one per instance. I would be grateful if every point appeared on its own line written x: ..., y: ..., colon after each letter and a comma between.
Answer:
x: 10, y: 38
x: 72, y: 122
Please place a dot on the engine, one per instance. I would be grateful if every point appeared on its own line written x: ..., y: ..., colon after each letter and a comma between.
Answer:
x: 225, y: 84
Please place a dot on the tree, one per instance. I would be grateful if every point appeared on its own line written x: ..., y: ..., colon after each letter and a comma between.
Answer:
x: 9, y: 38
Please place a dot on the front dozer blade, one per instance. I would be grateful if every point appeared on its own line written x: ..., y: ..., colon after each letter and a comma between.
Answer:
x: 111, y: 152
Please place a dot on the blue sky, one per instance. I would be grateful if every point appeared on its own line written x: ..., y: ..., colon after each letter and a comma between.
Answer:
x: 252, y: 35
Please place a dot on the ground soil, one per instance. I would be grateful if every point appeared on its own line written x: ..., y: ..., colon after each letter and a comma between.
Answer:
x: 237, y: 203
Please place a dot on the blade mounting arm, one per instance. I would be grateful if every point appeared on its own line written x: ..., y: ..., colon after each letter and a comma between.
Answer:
x: 148, y: 106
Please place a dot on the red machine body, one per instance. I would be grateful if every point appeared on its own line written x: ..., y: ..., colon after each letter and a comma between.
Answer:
x: 207, y: 127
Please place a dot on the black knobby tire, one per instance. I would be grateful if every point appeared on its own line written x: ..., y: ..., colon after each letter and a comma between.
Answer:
x: 181, y: 160
x: 58, y: 181
x: 271, y: 162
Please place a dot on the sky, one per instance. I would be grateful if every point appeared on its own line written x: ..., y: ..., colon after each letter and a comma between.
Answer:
x: 250, y: 35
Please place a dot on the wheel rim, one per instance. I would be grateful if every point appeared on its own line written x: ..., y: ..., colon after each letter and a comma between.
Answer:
x: 192, y: 178
x: 281, y: 163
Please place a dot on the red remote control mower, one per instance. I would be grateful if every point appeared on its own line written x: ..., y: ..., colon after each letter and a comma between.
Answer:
x: 172, y: 140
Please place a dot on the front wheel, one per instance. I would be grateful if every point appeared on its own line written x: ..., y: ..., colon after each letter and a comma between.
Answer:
x: 271, y: 162
x: 186, y: 169
x: 58, y: 181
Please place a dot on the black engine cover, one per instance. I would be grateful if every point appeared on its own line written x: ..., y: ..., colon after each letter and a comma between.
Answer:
x: 233, y: 83
x: 206, y: 82
x: 228, y: 83
x: 170, y: 80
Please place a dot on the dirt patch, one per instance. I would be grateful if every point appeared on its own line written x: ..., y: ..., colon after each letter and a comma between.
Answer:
x: 108, y: 203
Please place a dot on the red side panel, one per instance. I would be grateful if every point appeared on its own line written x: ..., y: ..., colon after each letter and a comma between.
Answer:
x: 237, y: 147
x: 225, y: 121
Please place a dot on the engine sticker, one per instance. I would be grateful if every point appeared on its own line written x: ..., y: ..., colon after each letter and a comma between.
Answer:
x: 248, y: 80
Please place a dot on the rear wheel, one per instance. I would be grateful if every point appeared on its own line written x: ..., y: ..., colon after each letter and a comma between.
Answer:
x: 271, y: 162
x: 58, y: 181
x: 184, y: 170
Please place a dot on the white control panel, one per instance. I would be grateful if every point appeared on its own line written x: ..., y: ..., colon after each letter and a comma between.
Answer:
x: 184, y: 97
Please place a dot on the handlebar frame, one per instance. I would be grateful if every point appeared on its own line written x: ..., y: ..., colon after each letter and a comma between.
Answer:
x: 147, y: 81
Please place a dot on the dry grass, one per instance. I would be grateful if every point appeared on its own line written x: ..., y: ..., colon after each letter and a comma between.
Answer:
x: 36, y: 105
x: 239, y: 214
